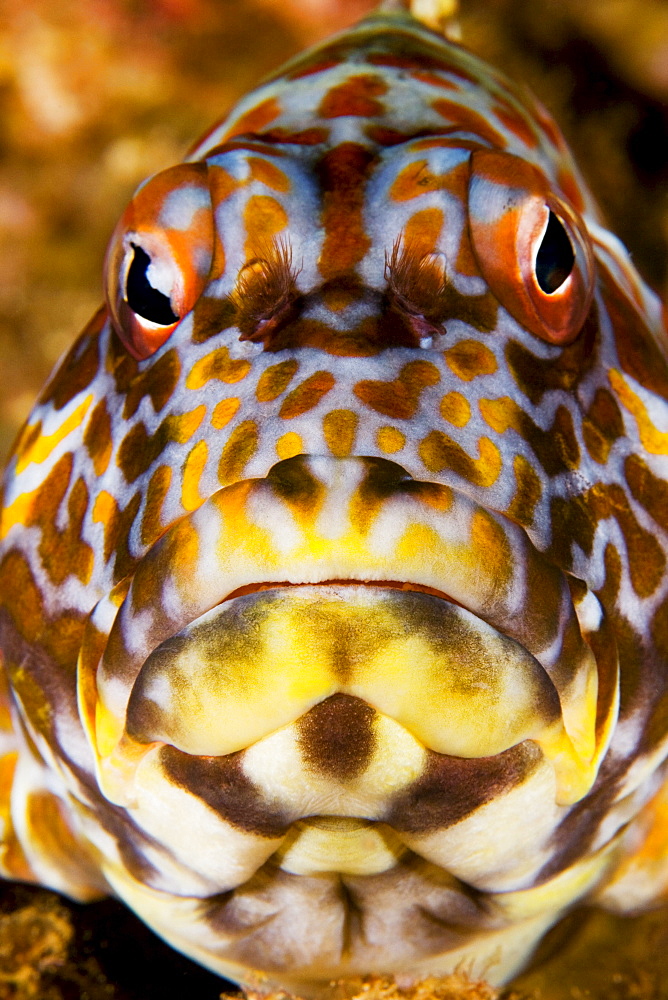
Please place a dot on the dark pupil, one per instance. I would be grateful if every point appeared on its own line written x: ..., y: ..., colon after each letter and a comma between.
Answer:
x: 142, y: 297
x: 555, y: 258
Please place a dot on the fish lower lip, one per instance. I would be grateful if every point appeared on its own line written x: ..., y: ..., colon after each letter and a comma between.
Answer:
x: 256, y: 588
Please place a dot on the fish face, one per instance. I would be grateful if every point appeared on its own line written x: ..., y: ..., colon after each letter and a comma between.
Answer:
x: 333, y: 572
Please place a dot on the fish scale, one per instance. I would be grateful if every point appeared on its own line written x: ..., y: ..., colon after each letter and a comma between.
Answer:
x: 333, y: 558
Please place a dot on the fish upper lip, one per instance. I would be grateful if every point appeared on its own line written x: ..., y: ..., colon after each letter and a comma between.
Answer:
x: 315, y: 520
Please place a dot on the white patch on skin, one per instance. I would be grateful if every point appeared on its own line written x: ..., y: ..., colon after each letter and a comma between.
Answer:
x: 589, y: 612
x: 180, y: 206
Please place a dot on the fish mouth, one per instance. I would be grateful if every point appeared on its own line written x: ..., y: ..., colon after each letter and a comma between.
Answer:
x: 346, y: 578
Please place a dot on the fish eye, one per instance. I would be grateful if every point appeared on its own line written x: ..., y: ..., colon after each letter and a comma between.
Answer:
x: 142, y: 296
x: 555, y: 257
x: 531, y: 246
x: 159, y: 257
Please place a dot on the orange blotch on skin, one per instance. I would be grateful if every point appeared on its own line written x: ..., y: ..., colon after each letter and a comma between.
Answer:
x: 417, y: 178
x: 340, y: 428
x: 646, y: 559
x: 275, y: 380
x: 306, y: 395
x: 218, y: 365
x: 342, y: 174
x: 62, y: 550
x: 439, y: 452
x: 224, y: 411
x: 433, y: 79
x: 456, y: 409
x: 289, y: 445
x: 399, y: 398
x: 238, y: 451
x: 501, y: 414
x: 422, y: 231
x: 469, y: 121
x: 469, y: 358
x: 193, y: 467
x: 257, y: 118
x: 390, y: 439
x: 355, y: 97
x: 268, y: 173
x: 517, y: 124
x: 264, y: 218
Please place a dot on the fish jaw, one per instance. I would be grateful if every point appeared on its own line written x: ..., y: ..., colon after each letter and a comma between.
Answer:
x: 324, y: 675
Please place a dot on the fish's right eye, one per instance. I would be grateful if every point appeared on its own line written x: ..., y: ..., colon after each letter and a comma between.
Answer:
x: 159, y: 257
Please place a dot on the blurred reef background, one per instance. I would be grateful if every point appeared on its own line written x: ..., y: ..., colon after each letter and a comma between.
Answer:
x: 97, y: 94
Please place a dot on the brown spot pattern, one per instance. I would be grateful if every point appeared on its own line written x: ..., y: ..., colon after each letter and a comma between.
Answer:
x: 157, y: 382
x: 400, y: 397
x: 238, y: 451
x: 336, y: 737
x: 79, y: 367
x: 602, y: 425
x: 451, y: 788
x: 306, y: 395
x: 97, y: 438
x: 222, y: 784
x: 469, y: 358
x: 151, y: 525
x: 139, y: 449
x: 275, y: 380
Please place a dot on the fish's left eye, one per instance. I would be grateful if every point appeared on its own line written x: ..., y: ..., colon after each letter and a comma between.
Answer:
x: 555, y: 257
x: 159, y: 257
x: 532, y: 248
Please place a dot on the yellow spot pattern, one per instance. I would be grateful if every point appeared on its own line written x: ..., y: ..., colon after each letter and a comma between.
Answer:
x: 390, y: 439
x: 456, y: 409
x: 218, y: 365
x: 43, y: 444
x: 289, y: 445
x: 653, y: 440
x: 439, y: 452
x: 193, y: 467
x: 224, y: 411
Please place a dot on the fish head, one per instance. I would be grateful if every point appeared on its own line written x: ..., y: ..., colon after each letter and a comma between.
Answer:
x: 334, y: 564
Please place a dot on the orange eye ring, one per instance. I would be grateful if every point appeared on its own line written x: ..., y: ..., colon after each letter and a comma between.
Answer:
x: 532, y: 248
x: 159, y: 257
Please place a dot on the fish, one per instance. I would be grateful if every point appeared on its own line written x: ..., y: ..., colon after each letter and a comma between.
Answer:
x: 333, y: 590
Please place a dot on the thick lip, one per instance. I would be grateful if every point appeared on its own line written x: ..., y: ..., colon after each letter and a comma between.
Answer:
x: 315, y: 520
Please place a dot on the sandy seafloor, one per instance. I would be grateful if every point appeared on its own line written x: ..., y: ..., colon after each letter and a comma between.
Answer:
x: 97, y: 94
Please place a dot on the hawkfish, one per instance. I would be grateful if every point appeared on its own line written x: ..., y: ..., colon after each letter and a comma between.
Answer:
x: 333, y: 590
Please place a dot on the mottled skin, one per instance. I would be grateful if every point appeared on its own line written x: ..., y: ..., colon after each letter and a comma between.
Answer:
x: 333, y: 590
